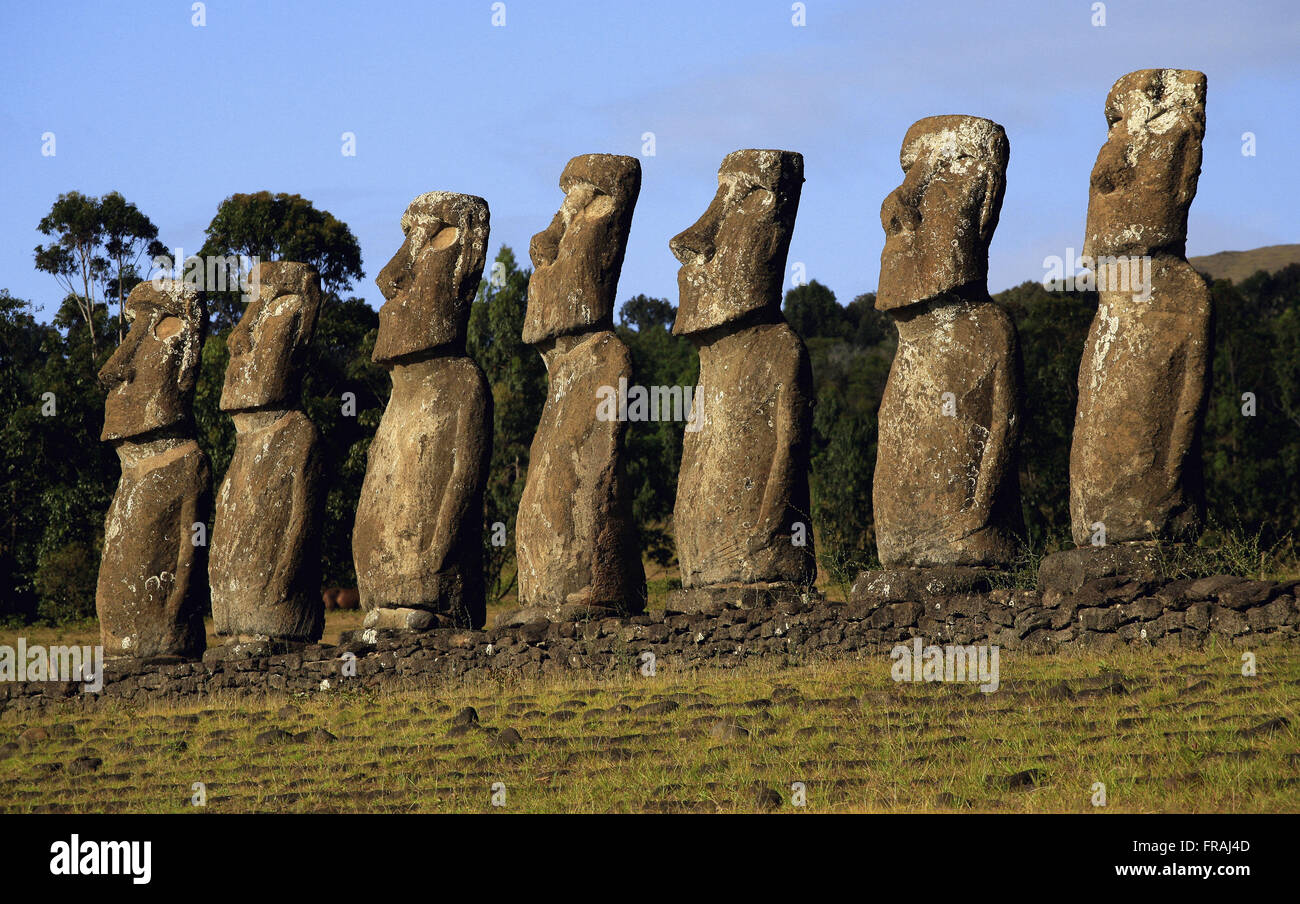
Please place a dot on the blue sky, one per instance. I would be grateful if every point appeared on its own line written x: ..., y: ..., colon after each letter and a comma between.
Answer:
x: 178, y: 117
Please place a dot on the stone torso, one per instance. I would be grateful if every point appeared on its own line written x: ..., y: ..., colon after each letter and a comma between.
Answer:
x: 1135, y: 455
x: 152, y: 587
x: 575, y: 539
x: 265, y: 565
x: 743, y: 482
x: 417, y: 541
x: 945, y: 487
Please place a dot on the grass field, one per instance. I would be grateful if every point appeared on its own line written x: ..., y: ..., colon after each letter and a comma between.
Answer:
x: 1164, y: 732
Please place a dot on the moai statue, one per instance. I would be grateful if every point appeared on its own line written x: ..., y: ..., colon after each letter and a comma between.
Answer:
x: 741, y: 518
x: 153, y: 579
x: 1135, y: 470
x: 418, y: 538
x: 946, y: 490
x: 575, y: 539
x: 265, y: 561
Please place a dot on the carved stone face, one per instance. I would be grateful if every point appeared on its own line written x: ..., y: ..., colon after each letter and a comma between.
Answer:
x: 268, y: 347
x: 431, y: 280
x: 939, y: 222
x: 1146, y: 172
x: 577, y: 259
x: 151, y: 377
x: 733, y: 258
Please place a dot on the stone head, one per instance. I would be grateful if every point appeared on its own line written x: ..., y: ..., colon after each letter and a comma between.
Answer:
x: 269, y: 345
x: 430, y: 283
x: 1145, y: 176
x: 733, y: 258
x: 939, y: 222
x: 151, y: 377
x: 577, y: 259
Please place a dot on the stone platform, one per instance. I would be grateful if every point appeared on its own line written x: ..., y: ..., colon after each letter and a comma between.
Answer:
x: 1103, y: 613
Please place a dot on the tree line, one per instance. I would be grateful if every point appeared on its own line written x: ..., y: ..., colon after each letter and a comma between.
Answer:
x: 58, y: 478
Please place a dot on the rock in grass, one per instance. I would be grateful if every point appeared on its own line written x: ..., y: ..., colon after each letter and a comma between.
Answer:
x: 727, y: 730
x: 1268, y: 727
x: 766, y: 798
x: 315, y: 735
x: 33, y: 736
x: 467, y: 716
x: 83, y: 764
x: 1018, y: 781
x: 273, y: 736
x: 508, y: 737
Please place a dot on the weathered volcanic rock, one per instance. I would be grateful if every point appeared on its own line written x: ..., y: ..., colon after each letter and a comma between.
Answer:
x: 577, y: 259
x: 900, y: 584
x: 152, y: 588
x: 1067, y: 571
x: 743, y: 483
x: 742, y: 492
x: 265, y: 563
x: 417, y: 540
x: 946, y: 488
x: 1144, y: 377
x: 575, y: 539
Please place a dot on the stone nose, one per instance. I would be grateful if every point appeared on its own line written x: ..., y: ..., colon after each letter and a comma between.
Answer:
x: 392, y: 278
x: 1111, y: 169
x: 898, y: 214
x: 545, y: 245
x: 120, y: 367
x: 694, y: 245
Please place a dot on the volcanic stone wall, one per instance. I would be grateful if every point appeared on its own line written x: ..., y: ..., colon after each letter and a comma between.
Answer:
x: 1103, y: 614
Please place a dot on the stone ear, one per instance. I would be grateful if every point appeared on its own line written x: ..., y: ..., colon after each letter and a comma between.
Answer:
x: 990, y: 204
x: 1189, y: 168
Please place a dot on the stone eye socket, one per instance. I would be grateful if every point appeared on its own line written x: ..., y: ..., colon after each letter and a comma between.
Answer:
x: 599, y: 206
x: 167, y: 327
x: 444, y: 238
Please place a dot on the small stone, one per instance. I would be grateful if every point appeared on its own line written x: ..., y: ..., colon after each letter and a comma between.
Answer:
x: 1018, y: 781
x: 1263, y: 728
x: 273, y: 736
x: 766, y: 798
x: 467, y: 716
x: 315, y: 736
x: 508, y: 737
x: 727, y: 730
x: 658, y: 708
x: 83, y: 764
x: 33, y: 736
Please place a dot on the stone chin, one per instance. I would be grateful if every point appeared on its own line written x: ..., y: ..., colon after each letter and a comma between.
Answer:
x: 122, y: 419
x: 700, y: 311
x: 572, y: 309
x: 905, y: 280
x: 244, y: 398
x: 395, y: 341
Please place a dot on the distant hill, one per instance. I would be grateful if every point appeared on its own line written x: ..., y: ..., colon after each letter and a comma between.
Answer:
x: 1237, y: 265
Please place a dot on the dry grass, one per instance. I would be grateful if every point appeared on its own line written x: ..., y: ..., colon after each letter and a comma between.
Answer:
x: 1164, y: 732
